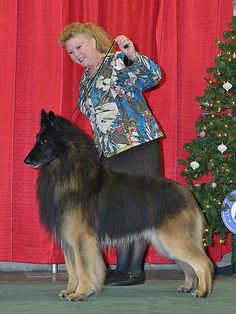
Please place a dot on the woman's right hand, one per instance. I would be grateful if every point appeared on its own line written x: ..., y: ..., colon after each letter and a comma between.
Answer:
x: 126, y: 46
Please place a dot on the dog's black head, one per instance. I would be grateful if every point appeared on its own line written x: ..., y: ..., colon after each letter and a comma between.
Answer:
x: 48, y: 144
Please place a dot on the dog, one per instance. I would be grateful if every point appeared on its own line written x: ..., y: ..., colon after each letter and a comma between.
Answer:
x: 86, y: 208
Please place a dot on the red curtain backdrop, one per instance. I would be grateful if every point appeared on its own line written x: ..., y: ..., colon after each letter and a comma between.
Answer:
x: 36, y: 73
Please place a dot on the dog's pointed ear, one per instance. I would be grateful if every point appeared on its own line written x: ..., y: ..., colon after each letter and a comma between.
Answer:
x: 44, y: 117
x: 49, y: 120
x: 52, y: 118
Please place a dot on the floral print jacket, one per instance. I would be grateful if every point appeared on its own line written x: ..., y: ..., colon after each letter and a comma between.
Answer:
x: 115, y: 106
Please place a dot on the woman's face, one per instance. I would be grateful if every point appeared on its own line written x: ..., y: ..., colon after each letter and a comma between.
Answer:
x: 82, y: 50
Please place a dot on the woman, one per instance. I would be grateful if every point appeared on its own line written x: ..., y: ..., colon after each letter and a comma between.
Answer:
x: 124, y: 130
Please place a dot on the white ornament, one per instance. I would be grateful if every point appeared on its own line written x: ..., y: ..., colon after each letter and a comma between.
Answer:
x: 222, y: 148
x: 234, y: 55
x: 213, y: 185
x: 227, y: 86
x: 202, y: 134
x: 194, y: 165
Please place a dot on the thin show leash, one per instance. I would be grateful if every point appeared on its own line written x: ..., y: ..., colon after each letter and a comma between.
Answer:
x: 93, y: 78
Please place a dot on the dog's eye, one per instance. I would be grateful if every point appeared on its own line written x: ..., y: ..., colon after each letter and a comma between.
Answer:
x: 43, y: 141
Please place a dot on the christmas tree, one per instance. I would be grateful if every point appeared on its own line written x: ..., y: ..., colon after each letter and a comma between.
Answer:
x: 210, y: 168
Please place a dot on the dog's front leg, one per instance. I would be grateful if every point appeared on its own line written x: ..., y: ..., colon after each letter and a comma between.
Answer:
x: 72, y: 276
x: 82, y: 250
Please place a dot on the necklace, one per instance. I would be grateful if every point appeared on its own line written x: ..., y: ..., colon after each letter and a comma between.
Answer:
x: 92, y: 79
x: 91, y: 72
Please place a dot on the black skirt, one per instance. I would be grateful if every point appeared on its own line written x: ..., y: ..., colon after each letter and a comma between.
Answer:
x: 144, y: 159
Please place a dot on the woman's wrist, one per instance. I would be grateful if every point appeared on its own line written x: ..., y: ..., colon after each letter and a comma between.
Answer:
x: 132, y: 56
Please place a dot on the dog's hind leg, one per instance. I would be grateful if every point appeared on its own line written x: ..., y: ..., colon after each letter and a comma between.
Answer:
x: 180, y: 246
x: 204, y: 272
x: 90, y: 276
x: 189, y: 277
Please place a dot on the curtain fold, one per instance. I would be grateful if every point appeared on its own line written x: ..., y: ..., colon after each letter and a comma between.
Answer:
x: 8, y: 44
x: 36, y: 73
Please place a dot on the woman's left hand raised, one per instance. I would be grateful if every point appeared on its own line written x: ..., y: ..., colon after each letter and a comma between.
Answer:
x: 126, y: 45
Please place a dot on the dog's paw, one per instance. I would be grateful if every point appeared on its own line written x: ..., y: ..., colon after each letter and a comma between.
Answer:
x: 183, y: 289
x: 63, y: 294
x: 76, y: 297
x: 79, y: 296
x: 200, y: 294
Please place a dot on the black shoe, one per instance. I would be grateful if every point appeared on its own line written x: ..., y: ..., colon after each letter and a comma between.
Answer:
x: 128, y: 279
x: 112, y: 276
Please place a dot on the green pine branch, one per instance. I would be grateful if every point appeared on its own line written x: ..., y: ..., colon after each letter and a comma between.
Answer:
x: 209, y: 169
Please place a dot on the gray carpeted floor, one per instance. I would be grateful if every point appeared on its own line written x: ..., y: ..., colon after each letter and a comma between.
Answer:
x: 152, y: 297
